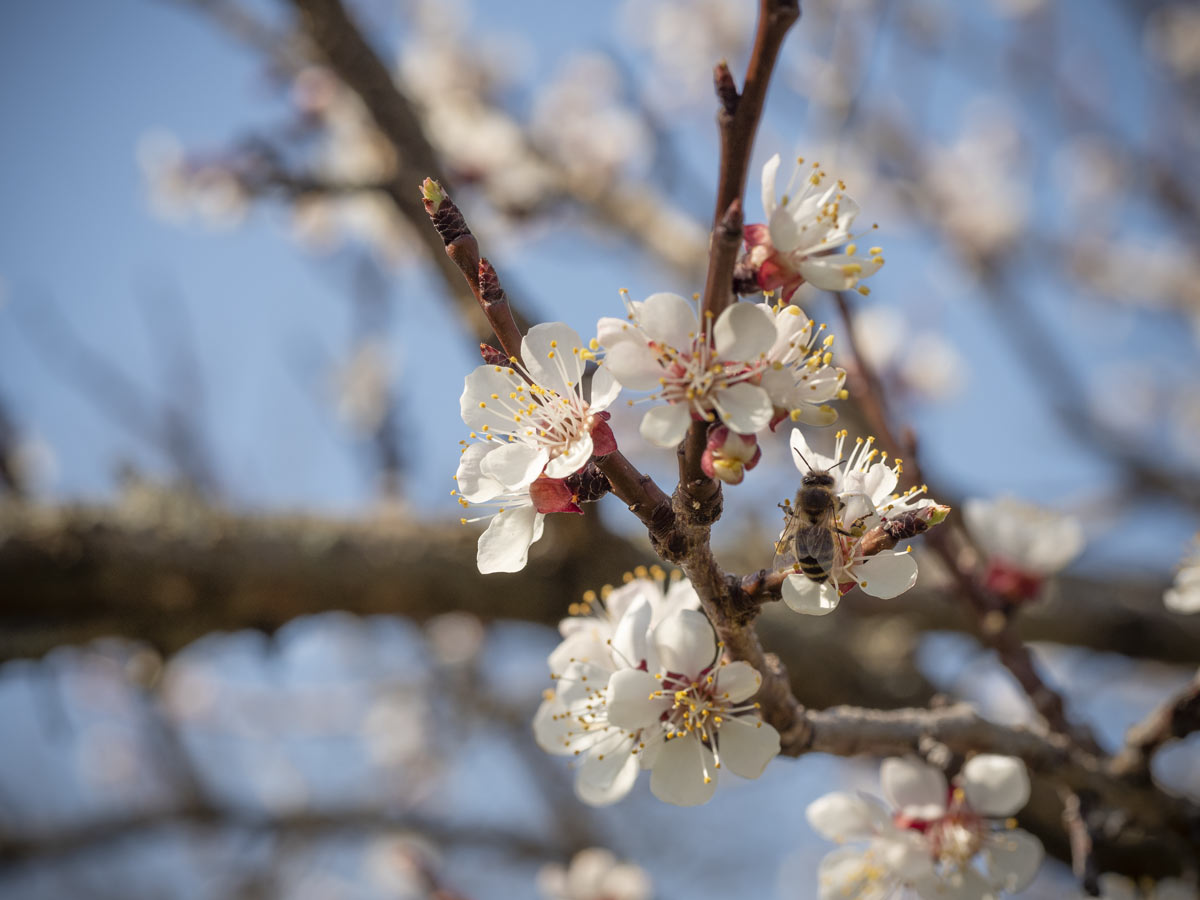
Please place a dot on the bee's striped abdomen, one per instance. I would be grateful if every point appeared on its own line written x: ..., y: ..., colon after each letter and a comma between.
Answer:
x: 813, y: 569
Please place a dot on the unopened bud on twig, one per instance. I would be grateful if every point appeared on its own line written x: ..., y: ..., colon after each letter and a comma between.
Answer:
x: 446, y: 217
x: 727, y: 91
x: 493, y: 356
x: 489, y: 284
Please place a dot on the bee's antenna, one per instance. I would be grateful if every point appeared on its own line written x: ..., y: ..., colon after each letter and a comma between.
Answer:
x: 807, y: 464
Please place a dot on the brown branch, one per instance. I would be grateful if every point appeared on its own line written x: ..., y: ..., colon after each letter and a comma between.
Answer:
x: 340, y: 43
x: 1177, y: 718
x: 737, y: 132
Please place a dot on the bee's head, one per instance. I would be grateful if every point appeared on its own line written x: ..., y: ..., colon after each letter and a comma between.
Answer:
x: 820, y: 478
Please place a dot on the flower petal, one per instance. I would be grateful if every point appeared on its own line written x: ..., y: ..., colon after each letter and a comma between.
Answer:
x: 665, y: 426
x: 847, y: 817
x: 887, y: 575
x: 737, y: 681
x: 634, y: 365
x: 747, y: 744
x: 473, y: 485
x: 1013, y: 858
x: 514, y: 465
x: 607, y: 785
x: 631, y: 699
x: 551, y: 725
x: 669, y: 319
x: 489, y: 386
x: 913, y: 787
x: 769, y: 173
x: 605, y: 389
x: 785, y: 233
x: 550, y: 352
x: 995, y: 785
x: 686, y: 643
x: 684, y: 772
x: 631, y: 638
x: 850, y: 873
x: 743, y: 332
x: 805, y: 457
x: 803, y: 595
x: 745, y: 407
x: 504, y: 546
x: 576, y: 457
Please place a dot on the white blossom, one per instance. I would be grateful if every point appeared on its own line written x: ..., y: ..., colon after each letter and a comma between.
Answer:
x: 1184, y: 595
x: 927, y: 837
x: 1023, y: 536
x: 594, y: 874
x: 534, y: 411
x: 654, y: 695
x: 865, y: 486
x: 807, y: 237
x: 716, y: 370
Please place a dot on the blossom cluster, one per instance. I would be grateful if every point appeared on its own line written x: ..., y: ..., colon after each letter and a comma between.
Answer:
x: 930, y: 836
x: 640, y: 683
x: 531, y: 430
x: 864, y: 485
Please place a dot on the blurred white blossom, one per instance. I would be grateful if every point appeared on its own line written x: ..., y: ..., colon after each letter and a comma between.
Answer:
x: 594, y: 874
x: 1184, y: 595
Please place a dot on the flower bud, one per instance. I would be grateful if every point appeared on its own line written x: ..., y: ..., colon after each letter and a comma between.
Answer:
x: 728, y: 454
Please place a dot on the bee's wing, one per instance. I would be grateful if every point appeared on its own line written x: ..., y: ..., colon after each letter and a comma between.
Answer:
x: 819, y: 542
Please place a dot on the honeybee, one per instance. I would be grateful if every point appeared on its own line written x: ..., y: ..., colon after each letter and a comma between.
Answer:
x: 810, y: 535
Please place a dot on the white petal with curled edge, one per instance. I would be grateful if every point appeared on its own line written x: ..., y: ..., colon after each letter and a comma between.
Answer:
x: 745, y: 407
x: 743, y: 331
x: 1013, y: 859
x: 878, y: 482
x: 604, y: 794
x: 669, y: 319
x: 886, y: 575
x: 561, y: 371
x: 916, y: 789
x: 769, y: 173
x: 515, y: 465
x: 610, y: 331
x: 605, y: 389
x: 856, y: 504
x: 803, y: 595
x: 817, y: 416
x: 573, y: 460
x: 504, y: 546
x: 679, y: 773
x: 835, y: 272
x: 747, y: 744
x: 737, y: 681
x: 473, y: 485
x: 630, y: 699
x: 846, y: 817
x: 995, y: 785
x: 631, y: 638
x: 792, y: 331
x: 665, y: 426
x: 811, y: 457
x: 686, y: 643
